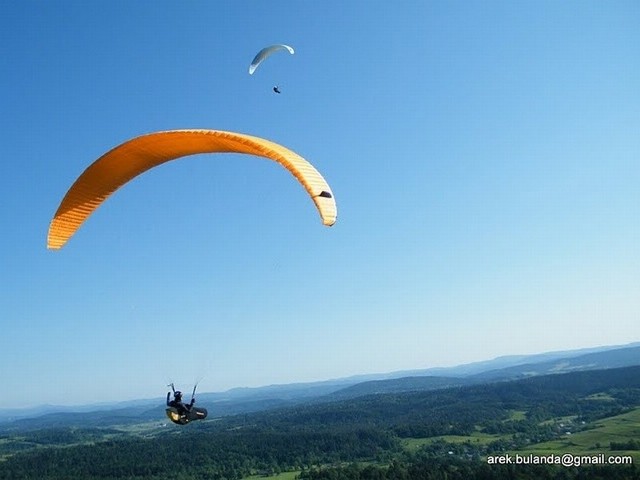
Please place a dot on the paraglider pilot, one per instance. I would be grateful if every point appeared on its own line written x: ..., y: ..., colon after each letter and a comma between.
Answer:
x: 178, y: 404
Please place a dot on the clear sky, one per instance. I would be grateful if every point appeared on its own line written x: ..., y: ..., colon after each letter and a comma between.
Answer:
x: 485, y: 157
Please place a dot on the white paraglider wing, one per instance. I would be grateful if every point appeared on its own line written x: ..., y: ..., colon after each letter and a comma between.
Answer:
x: 266, y: 52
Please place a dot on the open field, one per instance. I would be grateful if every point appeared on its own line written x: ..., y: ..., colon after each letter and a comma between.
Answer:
x: 477, y: 438
x: 594, y: 439
x: 620, y: 428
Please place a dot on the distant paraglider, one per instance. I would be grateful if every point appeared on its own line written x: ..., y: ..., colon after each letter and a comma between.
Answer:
x: 134, y: 157
x: 266, y: 52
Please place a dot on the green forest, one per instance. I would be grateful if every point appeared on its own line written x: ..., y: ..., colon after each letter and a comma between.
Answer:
x: 441, y: 434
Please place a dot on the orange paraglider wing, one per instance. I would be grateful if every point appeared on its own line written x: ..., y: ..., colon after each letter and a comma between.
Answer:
x: 136, y: 156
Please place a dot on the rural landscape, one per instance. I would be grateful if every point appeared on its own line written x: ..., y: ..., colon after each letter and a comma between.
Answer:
x: 320, y: 240
x: 430, y: 425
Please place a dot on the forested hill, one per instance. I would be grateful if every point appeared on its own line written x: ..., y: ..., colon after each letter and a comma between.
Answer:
x: 622, y: 357
x: 398, y: 385
x: 245, y: 400
x: 460, y: 409
x: 371, y: 429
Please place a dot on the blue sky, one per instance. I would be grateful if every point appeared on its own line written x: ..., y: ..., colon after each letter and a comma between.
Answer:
x: 484, y: 157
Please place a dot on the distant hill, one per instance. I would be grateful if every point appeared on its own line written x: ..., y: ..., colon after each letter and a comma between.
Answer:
x: 549, y: 364
x: 621, y: 357
x: 499, y: 363
x: 397, y: 385
x: 592, y: 394
x: 246, y: 400
x: 96, y: 418
x: 506, y: 367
